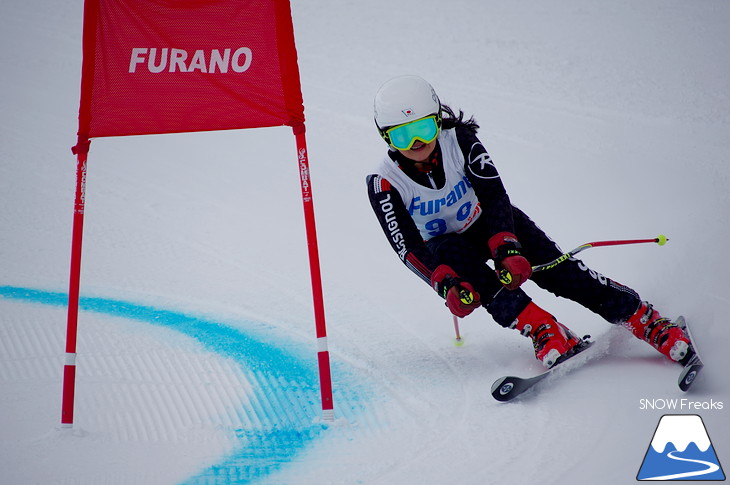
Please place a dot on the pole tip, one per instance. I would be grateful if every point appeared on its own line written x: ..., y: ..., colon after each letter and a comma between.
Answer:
x: 661, y: 239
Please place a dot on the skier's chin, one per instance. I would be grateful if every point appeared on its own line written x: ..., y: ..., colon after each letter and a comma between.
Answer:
x: 419, y: 151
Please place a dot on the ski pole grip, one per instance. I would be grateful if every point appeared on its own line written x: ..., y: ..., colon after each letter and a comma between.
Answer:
x: 505, y: 277
x: 466, y: 296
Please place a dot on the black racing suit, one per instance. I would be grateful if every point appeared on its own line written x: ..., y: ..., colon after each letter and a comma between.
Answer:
x: 467, y: 252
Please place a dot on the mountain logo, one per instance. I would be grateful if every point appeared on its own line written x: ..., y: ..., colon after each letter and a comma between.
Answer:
x: 680, y: 450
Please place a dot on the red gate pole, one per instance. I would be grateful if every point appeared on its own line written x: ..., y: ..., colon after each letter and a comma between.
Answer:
x: 69, y: 369
x: 323, y: 359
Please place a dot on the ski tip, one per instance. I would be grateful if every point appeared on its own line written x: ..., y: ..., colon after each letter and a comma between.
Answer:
x: 502, y: 389
x: 687, y: 379
x: 690, y: 372
x: 498, y: 383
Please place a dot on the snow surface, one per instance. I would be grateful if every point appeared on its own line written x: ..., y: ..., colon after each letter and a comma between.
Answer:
x: 607, y: 120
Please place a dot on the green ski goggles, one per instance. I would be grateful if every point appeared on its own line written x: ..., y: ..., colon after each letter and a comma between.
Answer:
x: 402, y: 137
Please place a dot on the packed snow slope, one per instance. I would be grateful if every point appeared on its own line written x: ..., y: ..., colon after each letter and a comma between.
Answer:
x: 607, y: 120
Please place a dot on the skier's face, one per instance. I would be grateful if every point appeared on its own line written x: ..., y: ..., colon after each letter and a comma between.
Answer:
x: 420, y: 151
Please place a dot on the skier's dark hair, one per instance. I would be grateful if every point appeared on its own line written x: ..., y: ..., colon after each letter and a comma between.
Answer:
x: 452, y: 120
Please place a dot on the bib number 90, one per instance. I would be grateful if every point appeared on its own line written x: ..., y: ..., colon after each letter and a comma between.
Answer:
x: 438, y: 226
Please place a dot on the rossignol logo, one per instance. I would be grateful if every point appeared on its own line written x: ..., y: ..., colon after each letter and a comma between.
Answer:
x: 680, y: 450
x: 480, y: 163
x: 212, y: 61
x: 396, y: 236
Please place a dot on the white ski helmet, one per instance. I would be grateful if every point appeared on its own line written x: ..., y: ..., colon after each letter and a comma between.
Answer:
x: 403, y: 99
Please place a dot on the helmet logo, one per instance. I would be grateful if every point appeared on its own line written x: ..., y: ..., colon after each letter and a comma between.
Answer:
x: 407, y: 112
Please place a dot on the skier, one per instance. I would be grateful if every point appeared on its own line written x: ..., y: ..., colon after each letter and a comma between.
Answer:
x: 442, y: 205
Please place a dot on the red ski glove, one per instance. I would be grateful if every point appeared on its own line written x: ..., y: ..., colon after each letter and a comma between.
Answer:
x: 460, y: 296
x: 512, y: 268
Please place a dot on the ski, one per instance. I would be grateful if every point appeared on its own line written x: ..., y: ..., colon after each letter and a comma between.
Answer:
x: 694, y: 364
x: 509, y: 387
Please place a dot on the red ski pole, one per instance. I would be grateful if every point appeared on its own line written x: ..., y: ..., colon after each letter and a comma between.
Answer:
x: 661, y: 240
x: 458, y: 341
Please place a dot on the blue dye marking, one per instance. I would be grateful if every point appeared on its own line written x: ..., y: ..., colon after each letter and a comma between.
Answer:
x: 285, y: 403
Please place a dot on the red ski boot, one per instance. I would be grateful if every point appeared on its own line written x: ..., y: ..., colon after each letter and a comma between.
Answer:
x: 648, y: 325
x: 551, y: 339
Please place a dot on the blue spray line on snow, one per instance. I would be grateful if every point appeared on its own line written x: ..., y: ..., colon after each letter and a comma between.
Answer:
x: 285, y: 404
